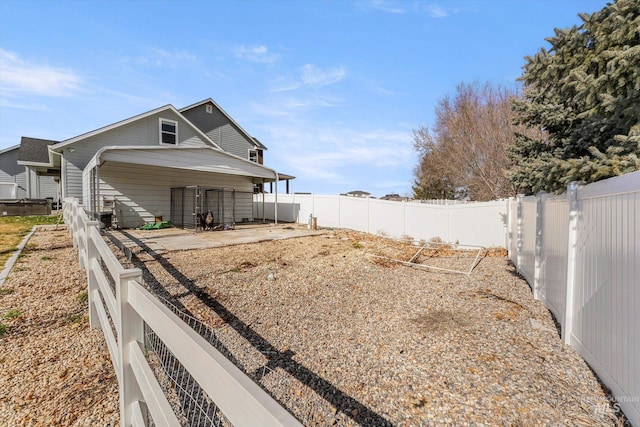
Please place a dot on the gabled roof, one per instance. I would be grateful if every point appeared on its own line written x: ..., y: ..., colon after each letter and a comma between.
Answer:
x: 358, y: 193
x: 259, y: 144
x: 244, y: 132
x: 6, y: 150
x: 168, y: 107
x: 34, y: 151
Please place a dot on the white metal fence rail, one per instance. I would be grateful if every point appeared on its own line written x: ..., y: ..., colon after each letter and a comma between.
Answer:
x: 125, y: 315
x: 481, y: 224
x: 581, y: 254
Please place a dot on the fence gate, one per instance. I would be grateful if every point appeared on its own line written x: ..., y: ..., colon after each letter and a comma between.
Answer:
x: 188, y: 202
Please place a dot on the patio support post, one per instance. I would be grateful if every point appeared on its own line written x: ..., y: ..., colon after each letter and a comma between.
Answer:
x: 275, y: 205
x: 264, y: 218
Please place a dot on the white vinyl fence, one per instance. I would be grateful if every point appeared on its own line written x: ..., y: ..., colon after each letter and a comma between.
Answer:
x: 136, y: 324
x: 480, y: 224
x: 8, y: 190
x: 580, y: 252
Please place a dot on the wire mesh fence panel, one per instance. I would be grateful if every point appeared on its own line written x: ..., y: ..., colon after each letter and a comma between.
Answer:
x: 177, y: 204
x: 191, y: 207
x: 190, y: 204
x: 184, y: 206
x: 221, y: 202
x: 189, y: 402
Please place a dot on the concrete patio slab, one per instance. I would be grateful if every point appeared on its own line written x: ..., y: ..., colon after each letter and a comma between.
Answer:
x: 177, y: 239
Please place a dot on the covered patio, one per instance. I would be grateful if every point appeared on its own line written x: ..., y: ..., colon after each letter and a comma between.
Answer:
x: 134, y: 183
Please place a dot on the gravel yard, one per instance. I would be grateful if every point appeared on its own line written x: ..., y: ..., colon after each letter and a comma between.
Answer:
x: 337, y: 337
x: 54, y: 370
x: 341, y: 338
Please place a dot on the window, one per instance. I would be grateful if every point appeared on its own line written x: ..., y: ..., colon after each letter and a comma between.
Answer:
x: 168, y: 132
x: 253, y: 155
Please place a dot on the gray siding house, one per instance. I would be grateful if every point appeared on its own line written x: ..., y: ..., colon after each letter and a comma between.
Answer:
x: 132, y: 167
x: 12, y: 175
x: 22, y: 166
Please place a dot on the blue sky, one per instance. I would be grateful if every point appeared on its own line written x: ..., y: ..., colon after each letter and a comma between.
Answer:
x: 332, y: 88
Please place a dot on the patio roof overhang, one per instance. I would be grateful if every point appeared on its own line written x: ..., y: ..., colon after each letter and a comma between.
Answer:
x: 204, y: 159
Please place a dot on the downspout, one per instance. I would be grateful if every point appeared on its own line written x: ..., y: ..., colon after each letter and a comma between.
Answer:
x: 63, y: 177
x: 97, y: 198
x: 28, y: 170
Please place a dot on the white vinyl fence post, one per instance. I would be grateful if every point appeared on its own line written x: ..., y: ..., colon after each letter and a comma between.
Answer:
x: 507, y: 226
x: 294, y: 218
x: 82, y: 238
x: 509, y: 235
x: 404, y: 218
x: 339, y: 213
x: 73, y: 226
x: 130, y: 331
x: 92, y: 283
x: 538, y: 249
x: 368, y: 214
x: 519, y: 202
x: 567, y: 324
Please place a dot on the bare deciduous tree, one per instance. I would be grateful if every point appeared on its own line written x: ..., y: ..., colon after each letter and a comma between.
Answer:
x: 464, y: 154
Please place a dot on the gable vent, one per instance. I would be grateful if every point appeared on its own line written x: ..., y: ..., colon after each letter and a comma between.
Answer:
x: 209, y: 108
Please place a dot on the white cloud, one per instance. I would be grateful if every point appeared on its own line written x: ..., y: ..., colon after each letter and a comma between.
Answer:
x: 163, y: 58
x: 315, y: 76
x: 436, y: 11
x: 290, y: 106
x: 22, y: 77
x: 24, y: 106
x: 310, y: 76
x: 255, y: 54
x: 386, y: 6
x: 332, y: 153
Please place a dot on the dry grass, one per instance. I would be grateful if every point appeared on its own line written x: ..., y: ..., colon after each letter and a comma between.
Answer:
x: 14, y: 228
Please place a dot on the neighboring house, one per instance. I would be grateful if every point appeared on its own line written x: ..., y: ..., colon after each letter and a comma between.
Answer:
x: 358, y: 193
x: 42, y: 168
x: 23, y: 165
x: 13, y: 173
x: 395, y: 197
x: 134, y: 166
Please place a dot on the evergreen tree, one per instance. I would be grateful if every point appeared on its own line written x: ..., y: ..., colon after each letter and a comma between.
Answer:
x: 584, y: 92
